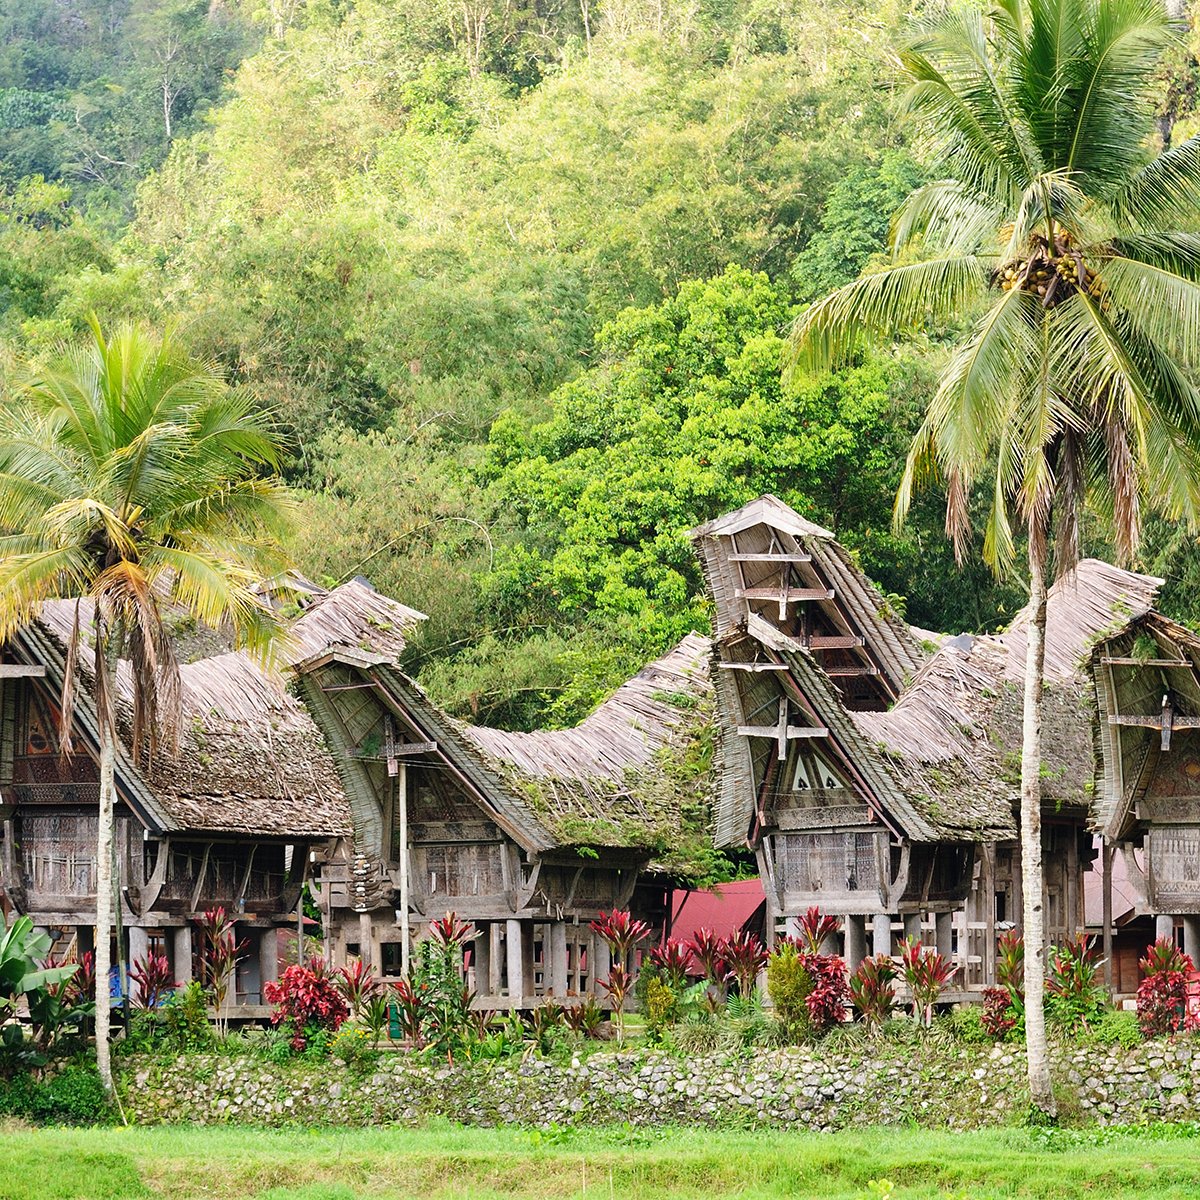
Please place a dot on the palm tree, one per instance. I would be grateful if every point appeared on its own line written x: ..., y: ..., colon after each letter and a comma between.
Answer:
x: 1071, y: 251
x: 132, y: 477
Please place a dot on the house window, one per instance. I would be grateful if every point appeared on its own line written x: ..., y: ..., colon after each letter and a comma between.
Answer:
x: 391, y: 958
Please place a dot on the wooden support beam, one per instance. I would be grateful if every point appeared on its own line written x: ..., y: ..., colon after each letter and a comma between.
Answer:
x: 793, y: 594
x: 399, y: 750
x: 22, y: 671
x: 752, y: 666
x: 792, y: 732
x: 838, y: 671
x: 1142, y: 722
x: 838, y: 641
x: 1168, y: 719
x: 1147, y: 662
x: 772, y: 556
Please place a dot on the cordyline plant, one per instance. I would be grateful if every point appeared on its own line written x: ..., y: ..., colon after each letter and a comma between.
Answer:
x: 306, y: 1002
x: 814, y: 929
x: 618, y: 986
x: 218, y: 956
x: 1074, y: 993
x: 927, y: 974
x: 152, y: 974
x: 873, y: 990
x: 1162, y: 994
x: 622, y: 934
x: 359, y: 985
x: 742, y: 957
x: 673, y: 961
x: 706, y: 947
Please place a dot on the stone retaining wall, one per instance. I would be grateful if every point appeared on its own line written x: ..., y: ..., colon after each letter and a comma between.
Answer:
x: 807, y: 1087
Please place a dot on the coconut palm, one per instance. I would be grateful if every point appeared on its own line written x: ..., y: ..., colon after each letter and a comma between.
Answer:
x: 1066, y: 255
x: 132, y: 479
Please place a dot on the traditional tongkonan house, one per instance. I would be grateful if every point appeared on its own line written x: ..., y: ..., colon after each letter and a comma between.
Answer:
x: 1147, y: 789
x: 875, y: 772
x: 527, y: 836
x: 230, y: 820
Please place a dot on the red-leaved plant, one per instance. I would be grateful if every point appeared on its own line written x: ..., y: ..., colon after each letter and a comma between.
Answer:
x: 830, y: 991
x: 742, y: 957
x: 218, y: 955
x: 621, y: 932
x: 152, y: 974
x: 706, y: 949
x: 306, y: 1001
x: 813, y: 930
x: 673, y: 962
x: 618, y: 985
x: 873, y: 990
x: 451, y: 932
x: 359, y: 985
x: 927, y: 974
x: 1162, y: 994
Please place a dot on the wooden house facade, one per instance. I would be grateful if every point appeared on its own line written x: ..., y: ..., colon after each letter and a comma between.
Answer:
x: 527, y: 836
x: 874, y: 769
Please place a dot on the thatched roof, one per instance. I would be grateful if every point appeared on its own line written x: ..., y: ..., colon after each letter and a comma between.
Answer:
x: 857, y: 608
x: 621, y: 775
x: 1127, y: 755
x: 356, y: 616
x: 634, y: 774
x: 954, y: 736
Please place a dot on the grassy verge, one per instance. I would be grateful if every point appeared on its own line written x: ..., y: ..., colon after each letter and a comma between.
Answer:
x: 449, y: 1163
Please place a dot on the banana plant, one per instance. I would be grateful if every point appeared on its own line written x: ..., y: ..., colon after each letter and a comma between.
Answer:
x: 21, y: 950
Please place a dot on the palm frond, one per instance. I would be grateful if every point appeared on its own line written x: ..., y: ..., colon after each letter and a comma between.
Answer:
x: 897, y: 299
x: 1162, y: 304
x: 947, y: 218
x: 1164, y: 192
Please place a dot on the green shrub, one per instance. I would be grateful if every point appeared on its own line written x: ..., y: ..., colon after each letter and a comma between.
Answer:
x: 72, y: 1096
x: 660, y: 1006
x: 185, y: 1014
x: 789, y: 985
x: 966, y: 1023
x: 1117, y: 1028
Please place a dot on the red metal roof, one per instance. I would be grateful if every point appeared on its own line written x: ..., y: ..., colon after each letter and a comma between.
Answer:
x: 724, y: 909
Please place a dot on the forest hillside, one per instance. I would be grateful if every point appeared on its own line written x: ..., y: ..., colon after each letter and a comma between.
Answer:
x: 515, y: 277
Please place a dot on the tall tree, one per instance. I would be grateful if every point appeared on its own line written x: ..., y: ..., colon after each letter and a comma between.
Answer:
x: 1075, y: 250
x: 133, y: 478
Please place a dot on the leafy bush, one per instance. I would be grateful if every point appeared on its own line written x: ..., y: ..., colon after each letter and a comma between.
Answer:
x: 872, y: 988
x: 152, y: 974
x: 1010, y: 967
x: 967, y: 1024
x: 353, y: 1047
x: 789, y: 985
x: 814, y: 930
x: 1117, y: 1028
x: 306, y: 1004
x: 585, y: 1018
x: 742, y: 957
x: 1162, y: 994
x: 1000, y: 1017
x: 73, y: 1095
x: 1075, y: 996
x: 359, y: 985
x: 42, y: 986
x: 673, y: 961
x: 185, y: 1014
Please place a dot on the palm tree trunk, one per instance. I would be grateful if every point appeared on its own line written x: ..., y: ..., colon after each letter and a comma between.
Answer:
x: 1040, y: 1089
x: 104, y: 901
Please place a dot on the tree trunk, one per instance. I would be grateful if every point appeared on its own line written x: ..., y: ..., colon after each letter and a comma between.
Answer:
x: 1040, y: 1090
x: 104, y: 899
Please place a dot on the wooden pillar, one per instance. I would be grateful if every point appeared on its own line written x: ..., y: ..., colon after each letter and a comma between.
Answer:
x: 495, y: 975
x: 515, y: 951
x: 366, y: 933
x: 556, y: 955
x: 912, y: 925
x: 528, y: 990
x: 856, y: 941
x: 881, y: 933
x: 1107, y: 850
x: 181, y: 954
x: 268, y: 957
x: 139, y: 944
x: 1018, y: 886
x: 1073, y: 888
x: 943, y: 924
x: 988, y: 965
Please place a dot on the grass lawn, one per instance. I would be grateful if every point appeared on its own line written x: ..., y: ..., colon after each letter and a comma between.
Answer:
x: 444, y: 1162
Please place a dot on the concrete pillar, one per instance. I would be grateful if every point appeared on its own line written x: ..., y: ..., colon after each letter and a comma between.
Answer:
x: 601, y: 962
x: 1164, y: 927
x: 495, y: 975
x: 881, y: 933
x: 514, y: 947
x: 481, y: 958
x: 944, y: 926
x: 181, y: 954
x: 856, y: 941
x: 912, y: 925
x: 1191, y: 938
x: 268, y: 957
x: 556, y: 954
x: 139, y: 944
